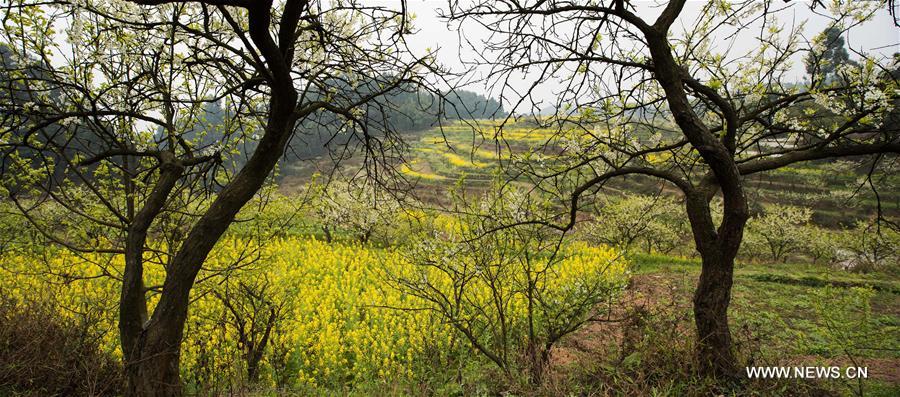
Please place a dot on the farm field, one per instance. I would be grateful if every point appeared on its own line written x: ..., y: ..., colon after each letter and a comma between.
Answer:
x: 789, y: 312
x: 378, y: 340
x: 784, y: 315
x: 331, y: 313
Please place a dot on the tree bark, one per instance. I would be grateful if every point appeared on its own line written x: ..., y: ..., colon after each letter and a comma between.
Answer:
x: 149, y: 369
x: 155, y: 357
x: 154, y: 371
x: 717, y: 246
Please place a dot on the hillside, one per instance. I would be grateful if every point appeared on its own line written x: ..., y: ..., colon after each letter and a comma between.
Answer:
x: 474, y: 152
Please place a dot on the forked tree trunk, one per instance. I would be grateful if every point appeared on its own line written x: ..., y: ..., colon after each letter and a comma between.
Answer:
x: 152, y: 346
x: 718, y: 249
x: 718, y: 245
x: 151, y: 362
x: 152, y: 352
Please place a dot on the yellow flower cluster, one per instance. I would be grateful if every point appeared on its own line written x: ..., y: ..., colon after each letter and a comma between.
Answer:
x: 460, y: 161
x: 407, y: 170
x: 78, y: 284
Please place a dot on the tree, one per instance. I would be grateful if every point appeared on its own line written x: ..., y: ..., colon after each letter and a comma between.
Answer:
x: 872, y: 246
x: 411, y: 108
x: 99, y: 120
x: 512, y: 293
x: 651, y: 220
x: 253, y: 314
x: 827, y: 54
x: 820, y: 243
x: 639, y: 98
x: 781, y: 230
x: 357, y: 207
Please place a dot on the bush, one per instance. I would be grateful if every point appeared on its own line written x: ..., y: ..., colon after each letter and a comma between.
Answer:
x: 868, y: 247
x: 361, y: 209
x: 45, y: 354
x: 820, y: 244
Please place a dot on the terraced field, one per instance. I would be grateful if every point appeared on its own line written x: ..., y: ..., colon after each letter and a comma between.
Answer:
x: 838, y: 192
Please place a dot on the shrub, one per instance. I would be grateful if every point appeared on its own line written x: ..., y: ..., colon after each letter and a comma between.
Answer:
x: 869, y: 247
x: 45, y: 354
x: 656, y: 223
x: 819, y: 244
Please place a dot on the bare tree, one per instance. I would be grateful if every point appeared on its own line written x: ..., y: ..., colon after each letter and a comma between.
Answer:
x: 106, y: 109
x: 636, y: 96
x: 253, y: 314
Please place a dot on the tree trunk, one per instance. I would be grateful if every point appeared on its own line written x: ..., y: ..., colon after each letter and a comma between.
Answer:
x: 539, y: 358
x: 711, y: 300
x: 154, y: 370
x: 327, y: 234
x: 151, y: 364
x: 253, y: 367
x: 257, y: 350
x: 152, y: 346
x: 718, y: 246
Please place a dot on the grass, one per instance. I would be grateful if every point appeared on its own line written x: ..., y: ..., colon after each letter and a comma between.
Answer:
x: 793, y: 306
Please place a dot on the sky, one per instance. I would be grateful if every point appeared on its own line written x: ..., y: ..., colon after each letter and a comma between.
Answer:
x: 879, y: 35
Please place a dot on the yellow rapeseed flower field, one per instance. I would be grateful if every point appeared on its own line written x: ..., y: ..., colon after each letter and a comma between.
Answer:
x: 339, y: 320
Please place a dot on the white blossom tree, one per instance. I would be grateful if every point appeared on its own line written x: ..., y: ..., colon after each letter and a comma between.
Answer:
x: 654, y: 222
x: 359, y: 207
x: 779, y: 232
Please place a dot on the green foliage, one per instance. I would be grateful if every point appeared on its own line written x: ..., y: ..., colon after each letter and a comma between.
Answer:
x: 820, y: 244
x: 406, y: 109
x: 845, y: 325
x: 870, y: 246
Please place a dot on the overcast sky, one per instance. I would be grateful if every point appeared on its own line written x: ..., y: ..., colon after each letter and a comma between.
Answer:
x: 876, y: 36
